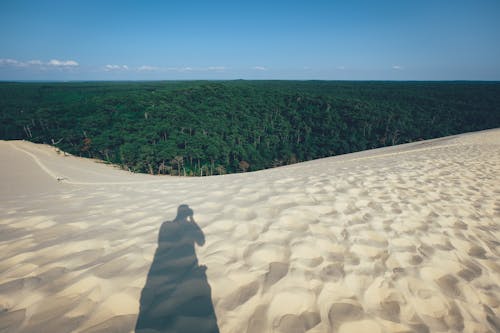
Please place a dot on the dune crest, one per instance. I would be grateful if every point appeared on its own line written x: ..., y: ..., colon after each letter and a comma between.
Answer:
x: 398, y: 239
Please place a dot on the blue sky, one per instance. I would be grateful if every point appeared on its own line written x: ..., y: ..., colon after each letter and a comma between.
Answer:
x: 310, y: 39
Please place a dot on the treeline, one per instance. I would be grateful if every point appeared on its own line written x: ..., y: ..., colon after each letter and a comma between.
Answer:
x: 208, y: 128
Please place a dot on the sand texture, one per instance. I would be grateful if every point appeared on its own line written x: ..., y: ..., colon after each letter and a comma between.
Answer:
x: 399, y: 239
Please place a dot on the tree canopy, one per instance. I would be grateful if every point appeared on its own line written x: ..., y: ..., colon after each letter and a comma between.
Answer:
x: 215, y: 127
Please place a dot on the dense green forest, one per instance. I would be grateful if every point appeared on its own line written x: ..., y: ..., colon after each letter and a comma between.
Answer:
x: 216, y: 127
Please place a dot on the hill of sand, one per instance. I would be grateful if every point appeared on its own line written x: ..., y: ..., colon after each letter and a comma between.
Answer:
x: 399, y: 239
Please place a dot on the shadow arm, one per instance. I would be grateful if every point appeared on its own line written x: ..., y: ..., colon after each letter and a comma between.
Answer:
x: 199, y: 236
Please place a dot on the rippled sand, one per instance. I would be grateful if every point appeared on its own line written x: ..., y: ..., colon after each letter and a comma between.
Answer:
x: 400, y: 239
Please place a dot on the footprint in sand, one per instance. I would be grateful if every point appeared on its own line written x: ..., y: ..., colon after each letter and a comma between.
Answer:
x: 343, y: 312
x: 333, y: 272
x: 298, y: 324
x: 470, y: 272
x: 448, y: 284
x: 477, y: 251
x: 277, y: 270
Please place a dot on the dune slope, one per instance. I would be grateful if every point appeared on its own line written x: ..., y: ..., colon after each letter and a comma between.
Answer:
x: 399, y: 239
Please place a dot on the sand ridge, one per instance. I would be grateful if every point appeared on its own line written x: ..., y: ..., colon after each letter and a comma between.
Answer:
x: 400, y: 239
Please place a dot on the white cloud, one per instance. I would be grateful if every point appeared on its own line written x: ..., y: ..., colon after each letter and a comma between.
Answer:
x: 196, y: 69
x: 260, y: 68
x: 12, y: 63
x: 62, y: 63
x: 109, y: 68
x: 54, y: 63
x: 397, y: 67
x: 341, y: 68
x: 216, y: 68
x: 146, y: 68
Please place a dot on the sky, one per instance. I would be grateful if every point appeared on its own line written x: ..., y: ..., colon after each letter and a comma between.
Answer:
x: 273, y: 39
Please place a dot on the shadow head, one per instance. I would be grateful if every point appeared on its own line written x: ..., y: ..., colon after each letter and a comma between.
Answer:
x: 184, y: 212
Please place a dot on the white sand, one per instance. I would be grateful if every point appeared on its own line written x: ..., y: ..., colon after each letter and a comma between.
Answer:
x: 400, y: 239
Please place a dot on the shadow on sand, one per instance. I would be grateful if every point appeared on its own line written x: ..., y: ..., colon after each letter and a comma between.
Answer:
x: 177, y: 296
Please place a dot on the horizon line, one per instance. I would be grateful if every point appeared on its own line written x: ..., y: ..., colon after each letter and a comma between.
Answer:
x: 254, y: 80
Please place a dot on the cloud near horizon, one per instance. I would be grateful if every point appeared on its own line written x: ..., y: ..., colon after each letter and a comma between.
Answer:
x: 216, y: 68
x: 147, y: 68
x: 12, y: 62
x: 53, y: 63
x: 68, y: 64
x: 109, y: 68
x: 62, y: 63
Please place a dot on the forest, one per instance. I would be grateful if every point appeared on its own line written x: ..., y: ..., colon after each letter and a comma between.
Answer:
x: 200, y: 128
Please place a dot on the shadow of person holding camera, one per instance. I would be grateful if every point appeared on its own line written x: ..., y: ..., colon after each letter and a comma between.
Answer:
x: 177, y: 296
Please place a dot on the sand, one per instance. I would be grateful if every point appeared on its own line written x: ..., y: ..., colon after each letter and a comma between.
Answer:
x: 399, y: 239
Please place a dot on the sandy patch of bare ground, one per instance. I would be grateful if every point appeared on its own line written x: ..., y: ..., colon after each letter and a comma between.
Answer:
x: 400, y: 239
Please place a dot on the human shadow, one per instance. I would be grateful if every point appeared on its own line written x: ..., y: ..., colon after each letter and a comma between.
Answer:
x: 177, y: 296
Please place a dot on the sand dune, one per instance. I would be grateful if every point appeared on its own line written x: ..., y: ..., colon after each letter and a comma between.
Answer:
x: 399, y: 239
